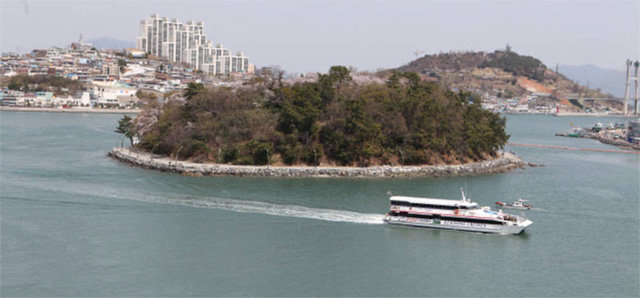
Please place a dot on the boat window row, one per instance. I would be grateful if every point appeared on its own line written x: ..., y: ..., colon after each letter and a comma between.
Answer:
x: 418, y: 205
x: 431, y: 216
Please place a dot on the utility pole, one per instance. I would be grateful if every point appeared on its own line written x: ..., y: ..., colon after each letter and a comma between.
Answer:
x: 268, y: 158
x: 556, y: 91
x: 626, y: 86
x: 315, y: 158
x: 636, y: 65
x: 557, y: 78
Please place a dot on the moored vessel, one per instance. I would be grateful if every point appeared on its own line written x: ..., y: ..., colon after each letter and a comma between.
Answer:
x: 520, y: 204
x: 461, y: 215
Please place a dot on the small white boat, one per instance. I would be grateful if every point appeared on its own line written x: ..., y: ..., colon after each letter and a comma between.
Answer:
x: 519, y: 204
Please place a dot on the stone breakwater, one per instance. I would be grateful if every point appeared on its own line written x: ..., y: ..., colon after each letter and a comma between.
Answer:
x: 503, y: 163
x: 617, y: 142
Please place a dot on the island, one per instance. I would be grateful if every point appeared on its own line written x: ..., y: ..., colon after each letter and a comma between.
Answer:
x: 329, y: 125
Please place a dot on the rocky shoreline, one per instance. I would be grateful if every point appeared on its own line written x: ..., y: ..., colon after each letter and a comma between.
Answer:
x: 504, y: 163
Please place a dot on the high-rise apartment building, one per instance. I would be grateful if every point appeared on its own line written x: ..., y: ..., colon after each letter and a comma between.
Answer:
x: 186, y: 42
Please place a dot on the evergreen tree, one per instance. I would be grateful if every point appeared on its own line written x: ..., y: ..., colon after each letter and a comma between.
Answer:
x: 125, y: 127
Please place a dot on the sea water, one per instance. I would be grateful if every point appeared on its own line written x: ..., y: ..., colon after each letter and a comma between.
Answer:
x: 77, y: 223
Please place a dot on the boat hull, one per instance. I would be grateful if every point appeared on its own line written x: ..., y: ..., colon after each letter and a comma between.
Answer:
x: 515, y: 207
x: 460, y: 226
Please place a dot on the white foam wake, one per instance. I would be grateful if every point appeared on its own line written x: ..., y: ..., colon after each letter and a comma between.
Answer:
x: 212, y: 202
x: 276, y: 209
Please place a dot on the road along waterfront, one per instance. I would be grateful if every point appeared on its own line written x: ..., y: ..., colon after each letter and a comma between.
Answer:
x: 70, y: 110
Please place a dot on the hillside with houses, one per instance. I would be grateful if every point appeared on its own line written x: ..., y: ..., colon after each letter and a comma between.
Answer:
x: 81, y: 76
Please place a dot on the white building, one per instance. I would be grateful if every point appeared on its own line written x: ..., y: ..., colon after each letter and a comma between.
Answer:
x: 112, y: 94
x: 83, y: 101
x: 223, y: 63
x: 186, y: 42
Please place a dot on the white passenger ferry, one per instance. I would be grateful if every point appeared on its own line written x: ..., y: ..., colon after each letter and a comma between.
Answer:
x: 460, y: 215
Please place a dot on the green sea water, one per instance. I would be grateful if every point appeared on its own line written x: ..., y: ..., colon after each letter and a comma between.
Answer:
x: 77, y: 223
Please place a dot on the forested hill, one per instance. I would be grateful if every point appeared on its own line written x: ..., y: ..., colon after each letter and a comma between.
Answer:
x: 507, y: 61
x: 327, y: 121
x: 504, y: 73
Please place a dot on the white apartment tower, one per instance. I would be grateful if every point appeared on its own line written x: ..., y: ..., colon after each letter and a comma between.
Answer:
x: 180, y: 42
x: 224, y: 63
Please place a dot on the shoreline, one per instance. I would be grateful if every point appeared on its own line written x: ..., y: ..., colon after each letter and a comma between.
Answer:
x: 70, y: 110
x: 504, y: 163
x: 136, y: 111
x: 570, y: 114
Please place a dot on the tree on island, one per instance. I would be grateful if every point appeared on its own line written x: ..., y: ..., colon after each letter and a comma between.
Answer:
x: 125, y: 127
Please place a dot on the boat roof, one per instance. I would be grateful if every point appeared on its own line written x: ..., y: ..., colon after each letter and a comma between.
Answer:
x: 431, y: 201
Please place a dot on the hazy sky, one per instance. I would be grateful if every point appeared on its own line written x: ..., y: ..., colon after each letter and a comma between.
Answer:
x: 312, y: 36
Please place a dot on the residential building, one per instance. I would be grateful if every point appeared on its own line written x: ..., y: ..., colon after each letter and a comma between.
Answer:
x: 186, y: 42
x: 111, y: 69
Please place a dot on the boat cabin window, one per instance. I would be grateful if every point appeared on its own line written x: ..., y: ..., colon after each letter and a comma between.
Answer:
x: 444, y: 217
x: 400, y: 203
x: 417, y: 205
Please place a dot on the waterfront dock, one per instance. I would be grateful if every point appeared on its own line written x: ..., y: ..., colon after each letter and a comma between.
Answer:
x: 617, y: 135
x: 573, y: 148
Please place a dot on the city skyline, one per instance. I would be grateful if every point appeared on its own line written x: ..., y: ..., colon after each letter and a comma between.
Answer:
x: 302, y: 37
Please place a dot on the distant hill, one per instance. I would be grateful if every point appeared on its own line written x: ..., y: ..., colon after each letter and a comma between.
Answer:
x: 500, y: 74
x: 508, y: 61
x: 608, y: 80
x: 111, y: 43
